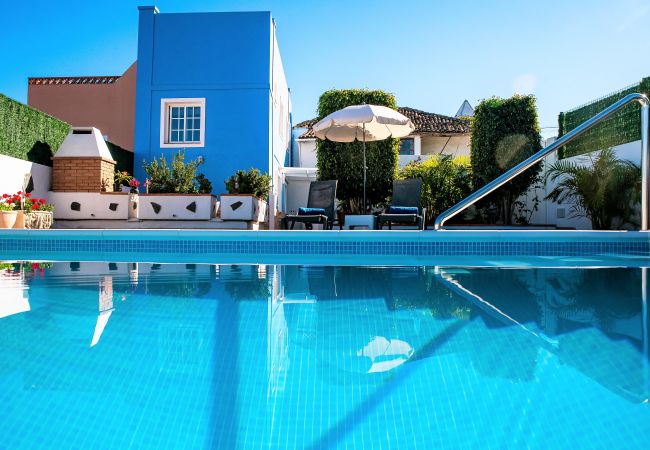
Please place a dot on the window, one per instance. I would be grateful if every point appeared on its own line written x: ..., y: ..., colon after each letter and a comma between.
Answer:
x: 182, y: 122
x: 406, y: 147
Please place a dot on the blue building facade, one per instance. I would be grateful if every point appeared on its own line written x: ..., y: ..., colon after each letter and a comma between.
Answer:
x: 212, y: 85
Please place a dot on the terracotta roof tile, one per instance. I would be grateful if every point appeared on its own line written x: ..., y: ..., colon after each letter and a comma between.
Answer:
x: 425, y: 122
x: 109, y: 79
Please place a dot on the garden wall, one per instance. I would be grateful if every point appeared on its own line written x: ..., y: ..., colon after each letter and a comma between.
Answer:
x: 12, y: 173
x: 551, y: 213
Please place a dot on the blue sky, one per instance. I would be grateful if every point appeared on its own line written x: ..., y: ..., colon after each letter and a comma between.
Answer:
x: 431, y: 54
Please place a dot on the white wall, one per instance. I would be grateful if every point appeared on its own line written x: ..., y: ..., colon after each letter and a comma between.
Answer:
x: 92, y: 205
x: 455, y: 145
x: 424, y: 148
x: 12, y: 173
x: 306, y: 153
x: 551, y: 213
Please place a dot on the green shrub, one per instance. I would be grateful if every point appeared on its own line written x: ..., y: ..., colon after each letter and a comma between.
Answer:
x: 29, y: 134
x: 504, y: 133
x: 180, y: 178
x: 252, y: 182
x: 605, y: 191
x: 344, y: 161
x: 445, y: 181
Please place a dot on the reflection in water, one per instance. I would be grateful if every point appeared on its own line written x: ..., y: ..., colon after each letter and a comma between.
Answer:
x: 242, y: 351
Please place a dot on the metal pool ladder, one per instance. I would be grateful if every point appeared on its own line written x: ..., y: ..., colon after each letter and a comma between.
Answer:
x: 570, y: 136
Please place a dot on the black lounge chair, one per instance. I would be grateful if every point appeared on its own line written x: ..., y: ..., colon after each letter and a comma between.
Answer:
x: 405, y: 206
x: 320, y: 207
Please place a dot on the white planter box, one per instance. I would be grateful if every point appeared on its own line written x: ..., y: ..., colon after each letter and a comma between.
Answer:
x: 89, y: 205
x: 177, y: 206
x: 242, y: 207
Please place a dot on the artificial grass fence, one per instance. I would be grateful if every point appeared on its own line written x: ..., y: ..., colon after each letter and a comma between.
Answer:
x: 621, y: 128
x: 32, y: 135
x: 29, y: 134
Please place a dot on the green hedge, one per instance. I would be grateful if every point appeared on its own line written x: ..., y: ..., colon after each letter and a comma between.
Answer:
x: 445, y: 181
x: 344, y: 161
x: 505, y: 132
x: 621, y: 128
x: 123, y: 158
x: 29, y: 134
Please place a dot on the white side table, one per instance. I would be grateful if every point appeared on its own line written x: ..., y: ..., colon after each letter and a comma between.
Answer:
x: 353, y: 222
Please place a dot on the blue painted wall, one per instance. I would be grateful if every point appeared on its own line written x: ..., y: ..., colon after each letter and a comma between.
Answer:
x: 222, y: 57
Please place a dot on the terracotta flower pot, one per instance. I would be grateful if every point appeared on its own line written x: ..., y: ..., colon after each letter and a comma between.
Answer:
x: 8, y: 219
x: 20, y: 220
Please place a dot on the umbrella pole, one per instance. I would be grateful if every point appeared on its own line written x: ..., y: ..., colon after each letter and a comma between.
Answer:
x: 364, y: 169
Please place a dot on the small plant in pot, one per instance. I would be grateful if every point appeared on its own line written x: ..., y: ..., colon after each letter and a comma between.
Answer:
x: 175, y: 190
x: 8, y: 211
x: 134, y: 184
x: 121, y: 178
x: 247, y: 196
x: 36, y: 213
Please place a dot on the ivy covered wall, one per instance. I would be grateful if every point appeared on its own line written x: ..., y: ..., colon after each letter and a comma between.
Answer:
x: 621, y: 128
x: 29, y: 134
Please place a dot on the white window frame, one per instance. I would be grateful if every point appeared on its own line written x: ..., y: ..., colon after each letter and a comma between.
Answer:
x: 165, y: 108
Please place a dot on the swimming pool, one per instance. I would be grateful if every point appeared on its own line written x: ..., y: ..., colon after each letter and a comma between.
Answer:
x: 150, y: 355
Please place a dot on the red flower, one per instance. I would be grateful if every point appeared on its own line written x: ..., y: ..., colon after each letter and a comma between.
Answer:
x: 27, y: 194
x: 34, y: 266
x: 42, y: 201
x: 5, y: 195
x: 36, y: 206
x: 19, y: 192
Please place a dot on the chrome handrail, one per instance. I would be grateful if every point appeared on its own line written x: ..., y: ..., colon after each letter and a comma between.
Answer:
x: 570, y: 136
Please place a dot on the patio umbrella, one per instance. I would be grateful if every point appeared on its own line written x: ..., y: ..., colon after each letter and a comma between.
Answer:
x: 363, y: 123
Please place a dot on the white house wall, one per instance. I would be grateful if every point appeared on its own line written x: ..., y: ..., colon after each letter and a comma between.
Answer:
x: 280, y: 126
x: 12, y: 176
x: 306, y: 153
x: 456, y: 145
x: 551, y: 213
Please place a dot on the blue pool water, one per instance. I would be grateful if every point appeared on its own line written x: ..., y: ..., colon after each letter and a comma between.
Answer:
x: 141, y: 355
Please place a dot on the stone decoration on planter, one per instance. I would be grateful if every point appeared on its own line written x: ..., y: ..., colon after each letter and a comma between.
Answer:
x: 90, y: 205
x: 39, y: 219
x: 245, y: 198
x: 243, y: 207
x: 177, y: 206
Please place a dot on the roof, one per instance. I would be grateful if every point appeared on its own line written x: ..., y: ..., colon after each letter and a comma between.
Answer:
x: 108, y: 79
x: 425, y: 123
x: 465, y: 110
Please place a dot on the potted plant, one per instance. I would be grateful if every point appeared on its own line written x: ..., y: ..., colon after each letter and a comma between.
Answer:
x: 37, y: 212
x: 247, y: 196
x: 8, y: 212
x: 175, y: 191
x: 121, y: 178
x: 134, y: 184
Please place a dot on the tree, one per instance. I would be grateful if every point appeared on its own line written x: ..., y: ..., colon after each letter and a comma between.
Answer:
x: 504, y: 133
x: 344, y: 161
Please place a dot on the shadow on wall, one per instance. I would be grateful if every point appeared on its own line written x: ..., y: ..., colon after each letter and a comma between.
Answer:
x: 41, y: 153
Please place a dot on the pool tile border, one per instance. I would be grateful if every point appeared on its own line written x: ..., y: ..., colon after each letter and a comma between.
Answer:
x: 396, y: 243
